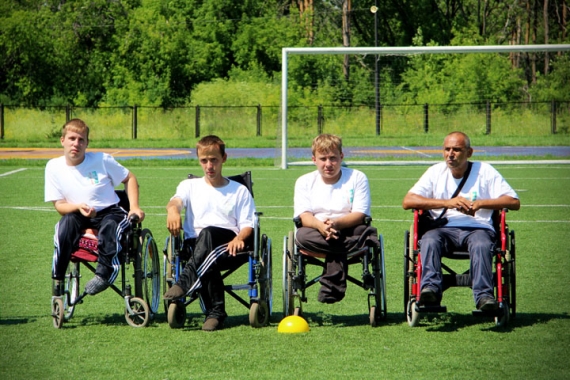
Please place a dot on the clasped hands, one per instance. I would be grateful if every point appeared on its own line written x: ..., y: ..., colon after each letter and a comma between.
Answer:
x: 328, y: 230
x: 463, y: 205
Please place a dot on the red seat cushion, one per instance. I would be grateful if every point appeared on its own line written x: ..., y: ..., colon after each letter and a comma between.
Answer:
x: 87, y: 247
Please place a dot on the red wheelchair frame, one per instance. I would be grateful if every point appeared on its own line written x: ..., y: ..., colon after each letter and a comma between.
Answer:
x: 504, y: 276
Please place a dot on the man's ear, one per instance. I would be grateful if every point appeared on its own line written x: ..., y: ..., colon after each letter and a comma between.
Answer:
x: 469, y: 152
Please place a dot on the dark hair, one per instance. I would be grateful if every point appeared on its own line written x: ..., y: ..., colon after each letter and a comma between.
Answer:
x: 210, y: 141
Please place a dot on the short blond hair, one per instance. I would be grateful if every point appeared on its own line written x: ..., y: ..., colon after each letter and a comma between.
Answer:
x: 325, y: 143
x: 75, y: 125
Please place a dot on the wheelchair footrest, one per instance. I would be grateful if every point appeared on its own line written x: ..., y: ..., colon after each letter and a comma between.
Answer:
x: 431, y: 309
x: 488, y: 313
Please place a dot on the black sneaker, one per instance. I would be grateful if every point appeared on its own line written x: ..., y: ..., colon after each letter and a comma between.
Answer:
x: 487, y: 303
x: 429, y: 297
x: 96, y: 285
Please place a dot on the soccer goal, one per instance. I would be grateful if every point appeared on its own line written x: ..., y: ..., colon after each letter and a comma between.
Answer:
x: 385, y: 51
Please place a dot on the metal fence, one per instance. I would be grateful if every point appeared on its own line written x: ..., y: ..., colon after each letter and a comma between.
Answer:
x: 142, y: 122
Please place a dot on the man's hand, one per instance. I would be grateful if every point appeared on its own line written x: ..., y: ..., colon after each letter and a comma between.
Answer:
x: 137, y: 211
x: 235, y: 246
x: 173, y: 222
x: 87, y: 211
x: 463, y: 205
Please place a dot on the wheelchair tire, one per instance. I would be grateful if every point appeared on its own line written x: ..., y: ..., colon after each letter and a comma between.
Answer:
x: 379, y: 270
x: 288, y: 270
x: 406, y: 270
x: 169, y: 273
x: 259, y: 314
x: 176, y: 315
x: 266, y: 274
x: 150, y: 272
x: 138, y: 315
x: 71, y: 289
x: 57, y: 311
x: 412, y: 315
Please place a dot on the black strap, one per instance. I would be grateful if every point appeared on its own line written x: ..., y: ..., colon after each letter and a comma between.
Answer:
x: 456, y: 193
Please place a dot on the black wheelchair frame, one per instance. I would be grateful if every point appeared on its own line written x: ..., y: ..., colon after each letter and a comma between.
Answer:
x: 141, y: 251
x: 504, y: 275
x: 259, y: 279
x: 295, y: 283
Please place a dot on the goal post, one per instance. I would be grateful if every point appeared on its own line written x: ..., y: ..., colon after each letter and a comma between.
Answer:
x: 391, y: 51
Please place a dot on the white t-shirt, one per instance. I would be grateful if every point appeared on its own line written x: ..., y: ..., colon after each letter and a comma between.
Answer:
x: 484, y: 182
x: 350, y: 193
x: 230, y: 207
x: 92, y: 182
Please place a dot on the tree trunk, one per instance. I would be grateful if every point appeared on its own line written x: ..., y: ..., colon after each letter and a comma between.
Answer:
x: 307, y: 15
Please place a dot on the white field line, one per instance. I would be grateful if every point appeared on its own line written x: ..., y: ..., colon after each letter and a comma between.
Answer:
x: 416, y: 151
x: 12, y: 172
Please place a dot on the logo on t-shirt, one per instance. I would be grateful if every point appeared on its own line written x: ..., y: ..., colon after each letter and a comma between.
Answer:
x: 94, y: 177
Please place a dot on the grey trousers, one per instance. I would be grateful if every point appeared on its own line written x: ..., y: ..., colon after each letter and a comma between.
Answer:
x: 480, y: 244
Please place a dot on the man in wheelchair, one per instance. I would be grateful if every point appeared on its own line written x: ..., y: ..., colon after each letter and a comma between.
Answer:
x: 219, y: 223
x: 332, y: 203
x: 81, y: 186
x: 460, y: 197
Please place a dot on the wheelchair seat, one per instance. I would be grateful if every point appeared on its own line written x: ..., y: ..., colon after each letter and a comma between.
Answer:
x: 504, y: 276
x: 139, y: 249
x: 295, y: 281
x: 259, y: 281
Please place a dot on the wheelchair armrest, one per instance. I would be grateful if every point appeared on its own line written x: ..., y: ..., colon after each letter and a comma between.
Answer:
x: 297, y: 221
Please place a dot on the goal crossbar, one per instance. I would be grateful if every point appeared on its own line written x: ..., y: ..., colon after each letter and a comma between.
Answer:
x: 392, y: 51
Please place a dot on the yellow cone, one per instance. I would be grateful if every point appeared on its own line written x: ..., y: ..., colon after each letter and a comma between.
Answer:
x: 293, y: 324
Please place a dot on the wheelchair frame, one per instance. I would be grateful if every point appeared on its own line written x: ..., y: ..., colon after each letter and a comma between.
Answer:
x: 295, y: 281
x: 259, y: 279
x: 504, y: 275
x: 142, y: 252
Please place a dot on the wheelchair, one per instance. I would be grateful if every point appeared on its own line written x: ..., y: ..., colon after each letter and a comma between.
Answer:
x: 295, y: 282
x: 140, y: 252
x: 504, y: 272
x: 259, y: 283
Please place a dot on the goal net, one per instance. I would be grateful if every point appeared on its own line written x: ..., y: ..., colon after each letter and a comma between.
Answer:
x: 435, y: 114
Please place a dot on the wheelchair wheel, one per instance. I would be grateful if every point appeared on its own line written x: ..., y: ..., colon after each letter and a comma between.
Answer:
x: 512, y: 277
x: 176, y: 315
x: 71, y: 290
x: 407, y: 286
x: 137, y: 312
x: 380, y: 310
x: 169, y: 272
x: 259, y: 314
x: 150, y: 271
x: 57, y: 311
x: 502, y: 320
x: 266, y: 274
x: 288, y: 270
x: 412, y: 315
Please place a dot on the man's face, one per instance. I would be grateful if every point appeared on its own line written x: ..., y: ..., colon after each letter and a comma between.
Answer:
x: 329, y: 164
x: 455, y: 152
x: 211, y: 161
x: 74, y: 146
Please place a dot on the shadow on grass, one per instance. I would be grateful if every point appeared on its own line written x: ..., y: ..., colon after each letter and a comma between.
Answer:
x: 451, y: 322
x: 17, y: 321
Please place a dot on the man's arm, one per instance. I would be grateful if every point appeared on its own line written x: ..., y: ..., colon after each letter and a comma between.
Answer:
x: 64, y: 207
x: 173, y: 219
x: 132, y: 188
x: 415, y: 201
